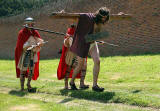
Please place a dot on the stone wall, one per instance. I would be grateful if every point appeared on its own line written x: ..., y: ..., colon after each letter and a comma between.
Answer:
x: 139, y: 36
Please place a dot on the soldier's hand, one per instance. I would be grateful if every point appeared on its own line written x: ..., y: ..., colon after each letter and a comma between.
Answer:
x: 67, y: 35
x: 66, y: 42
x: 100, y: 42
x: 36, y: 49
x: 40, y: 44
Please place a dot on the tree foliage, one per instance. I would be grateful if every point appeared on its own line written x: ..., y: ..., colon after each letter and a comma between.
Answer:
x: 14, y: 7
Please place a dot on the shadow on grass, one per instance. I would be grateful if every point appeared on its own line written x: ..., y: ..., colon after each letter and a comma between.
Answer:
x: 22, y: 93
x: 88, y: 95
x: 136, y: 91
x: 18, y: 93
x: 66, y: 100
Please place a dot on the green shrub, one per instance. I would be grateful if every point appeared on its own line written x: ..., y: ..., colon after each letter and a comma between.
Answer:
x: 14, y: 7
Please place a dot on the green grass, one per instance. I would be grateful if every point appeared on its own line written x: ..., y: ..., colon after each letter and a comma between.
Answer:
x: 132, y: 83
x: 12, y: 103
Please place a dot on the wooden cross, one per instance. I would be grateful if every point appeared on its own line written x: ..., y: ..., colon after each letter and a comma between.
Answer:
x: 64, y: 15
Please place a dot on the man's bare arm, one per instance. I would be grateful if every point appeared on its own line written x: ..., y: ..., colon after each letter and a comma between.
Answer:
x: 64, y: 15
x: 75, y: 16
x: 120, y: 16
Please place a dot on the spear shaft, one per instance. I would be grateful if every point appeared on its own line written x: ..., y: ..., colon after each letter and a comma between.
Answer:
x: 60, y: 33
x: 45, y: 30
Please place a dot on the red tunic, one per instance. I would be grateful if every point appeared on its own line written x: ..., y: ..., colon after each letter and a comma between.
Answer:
x: 62, y: 67
x: 23, y: 36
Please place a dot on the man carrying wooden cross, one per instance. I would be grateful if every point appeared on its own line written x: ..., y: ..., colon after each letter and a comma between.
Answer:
x: 87, y: 32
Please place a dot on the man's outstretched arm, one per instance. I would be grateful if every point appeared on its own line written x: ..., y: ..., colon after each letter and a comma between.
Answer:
x: 64, y: 15
x: 120, y: 16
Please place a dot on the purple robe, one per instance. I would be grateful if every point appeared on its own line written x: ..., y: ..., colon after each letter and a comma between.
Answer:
x: 85, y: 26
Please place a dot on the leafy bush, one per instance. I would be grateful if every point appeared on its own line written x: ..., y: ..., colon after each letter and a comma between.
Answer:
x: 14, y: 7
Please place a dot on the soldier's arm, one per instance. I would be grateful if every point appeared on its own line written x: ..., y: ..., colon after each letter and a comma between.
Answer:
x: 26, y: 45
x: 40, y: 42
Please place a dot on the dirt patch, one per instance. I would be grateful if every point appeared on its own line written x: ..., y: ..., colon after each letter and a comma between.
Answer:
x: 54, y: 75
x: 115, y: 77
x: 29, y: 107
x: 4, y: 90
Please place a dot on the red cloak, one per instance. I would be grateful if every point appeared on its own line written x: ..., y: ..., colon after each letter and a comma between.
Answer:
x: 23, y: 36
x: 62, y: 67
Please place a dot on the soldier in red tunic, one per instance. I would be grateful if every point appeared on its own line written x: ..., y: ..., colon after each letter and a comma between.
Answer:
x: 64, y: 70
x: 27, y: 53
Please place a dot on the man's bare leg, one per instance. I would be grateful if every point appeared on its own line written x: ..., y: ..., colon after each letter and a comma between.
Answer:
x: 77, y: 69
x: 94, y: 52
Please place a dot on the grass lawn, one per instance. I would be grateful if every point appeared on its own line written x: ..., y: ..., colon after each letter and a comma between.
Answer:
x: 132, y: 83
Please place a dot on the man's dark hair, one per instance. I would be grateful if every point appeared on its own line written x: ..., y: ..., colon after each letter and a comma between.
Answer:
x: 102, y: 12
